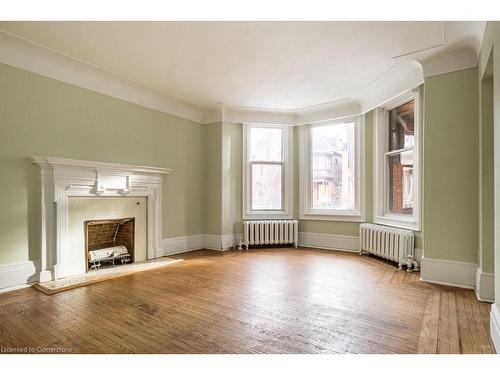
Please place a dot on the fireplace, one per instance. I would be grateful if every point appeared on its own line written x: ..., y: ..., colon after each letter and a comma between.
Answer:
x: 109, y: 243
x: 63, y: 180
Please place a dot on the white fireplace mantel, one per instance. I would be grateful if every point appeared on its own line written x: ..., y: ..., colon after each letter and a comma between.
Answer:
x: 63, y: 178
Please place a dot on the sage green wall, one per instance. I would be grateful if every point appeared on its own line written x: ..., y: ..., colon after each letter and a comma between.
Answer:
x: 451, y: 159
x: 42, y: 116
x: 212, y: 182
x: 232, y: 138
x: 486, y: 197
x: 222, y: 171
x: 491, y: 48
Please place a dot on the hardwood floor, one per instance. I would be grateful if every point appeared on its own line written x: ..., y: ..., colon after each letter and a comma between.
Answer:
x: 262, y: 301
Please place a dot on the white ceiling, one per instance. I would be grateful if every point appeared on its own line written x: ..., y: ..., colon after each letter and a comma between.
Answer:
x: 275, y: 65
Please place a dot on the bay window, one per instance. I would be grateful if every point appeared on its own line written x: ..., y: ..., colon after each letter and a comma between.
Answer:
x: 331, y: 162
x: 267, y: 172
x: 396, y: 174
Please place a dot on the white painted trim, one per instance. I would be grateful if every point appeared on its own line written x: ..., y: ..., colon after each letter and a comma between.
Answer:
x: 33, y: 57
x: 38, y: 59
x: 228, y: 241
x: 17, y: 287
x: 64, y: 178
x: 327, y: 112
x: 305, y: 164
x: 15, y: 275
x: 212, y: 242
x: 264, y: 116
x: 495, y: 326
x: 485, y: 286
x: 452, y: 61
x: 329, y: 241
x: 287, y: 197
x: 406, y: 74
x: 447, y: 272
x: 177, y: 245
x: 111, y: 167
x: 338, y: 242
x: 381, y: 216
x: 183, y: 244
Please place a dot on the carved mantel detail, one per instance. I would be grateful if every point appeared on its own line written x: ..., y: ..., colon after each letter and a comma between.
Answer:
x: 63, y: 178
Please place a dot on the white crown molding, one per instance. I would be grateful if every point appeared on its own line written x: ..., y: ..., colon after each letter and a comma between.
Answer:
x: 258, y: 115
x: 213, y: 114
x: 29, y: 56
x: 327, y: 111
x: 447, y: 272
x: 452, y: 61
x: 406, y: 74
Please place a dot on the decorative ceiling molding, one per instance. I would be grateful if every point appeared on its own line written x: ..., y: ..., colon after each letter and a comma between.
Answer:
x: 408, y: 72
x: 259, y: 116
x: 328, y: 111
x: 29, y: 56
x: 451, y: 61
x: 404, y: 76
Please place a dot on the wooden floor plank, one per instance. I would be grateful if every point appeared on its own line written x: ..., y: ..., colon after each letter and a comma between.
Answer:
x: 279, y: 300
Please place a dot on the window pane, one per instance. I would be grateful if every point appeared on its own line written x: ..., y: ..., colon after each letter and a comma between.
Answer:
x: 333, y: 167
x: 265, y: 144
x: 400, y: 169
x: 266, y: 186
x: 401, y: 127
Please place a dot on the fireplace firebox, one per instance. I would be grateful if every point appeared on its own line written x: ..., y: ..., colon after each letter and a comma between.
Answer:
x: 109, y: 242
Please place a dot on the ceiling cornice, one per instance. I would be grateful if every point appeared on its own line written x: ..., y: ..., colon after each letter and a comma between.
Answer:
x: 29, y: 56
x: 406, y: 74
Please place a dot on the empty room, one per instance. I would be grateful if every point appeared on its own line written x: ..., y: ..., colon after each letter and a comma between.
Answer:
x: 249, y: 187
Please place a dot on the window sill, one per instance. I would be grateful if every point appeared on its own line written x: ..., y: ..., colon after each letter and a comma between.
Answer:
x: 355, y: 217
x: 398, y: 222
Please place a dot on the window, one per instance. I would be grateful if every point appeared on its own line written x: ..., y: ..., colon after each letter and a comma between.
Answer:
x: 330, y: 170
x: 267, y: 176
x: 396, y: 196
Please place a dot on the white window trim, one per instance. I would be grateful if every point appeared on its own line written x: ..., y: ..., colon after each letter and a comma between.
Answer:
x: 381, y: 123
x: 287, y: 176
x: 306, y: 211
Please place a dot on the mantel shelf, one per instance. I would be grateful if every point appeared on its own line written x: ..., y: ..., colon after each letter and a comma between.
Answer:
x: 74, y: 163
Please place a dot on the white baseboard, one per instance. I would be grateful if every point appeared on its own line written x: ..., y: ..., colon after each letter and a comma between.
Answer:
x: 177, y: 245
x: 485, y: 286
x: 418, y: 255
x: 329, y: 241
x: 447, y: 272
x: 495, y: 326
x: 212, y: 242
x: 183, y: 244
x: 337, y: 242
x: 16, y: 287
x: 18, y: 274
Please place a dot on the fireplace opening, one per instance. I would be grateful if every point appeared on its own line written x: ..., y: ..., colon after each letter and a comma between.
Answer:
x: 109, y: 243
